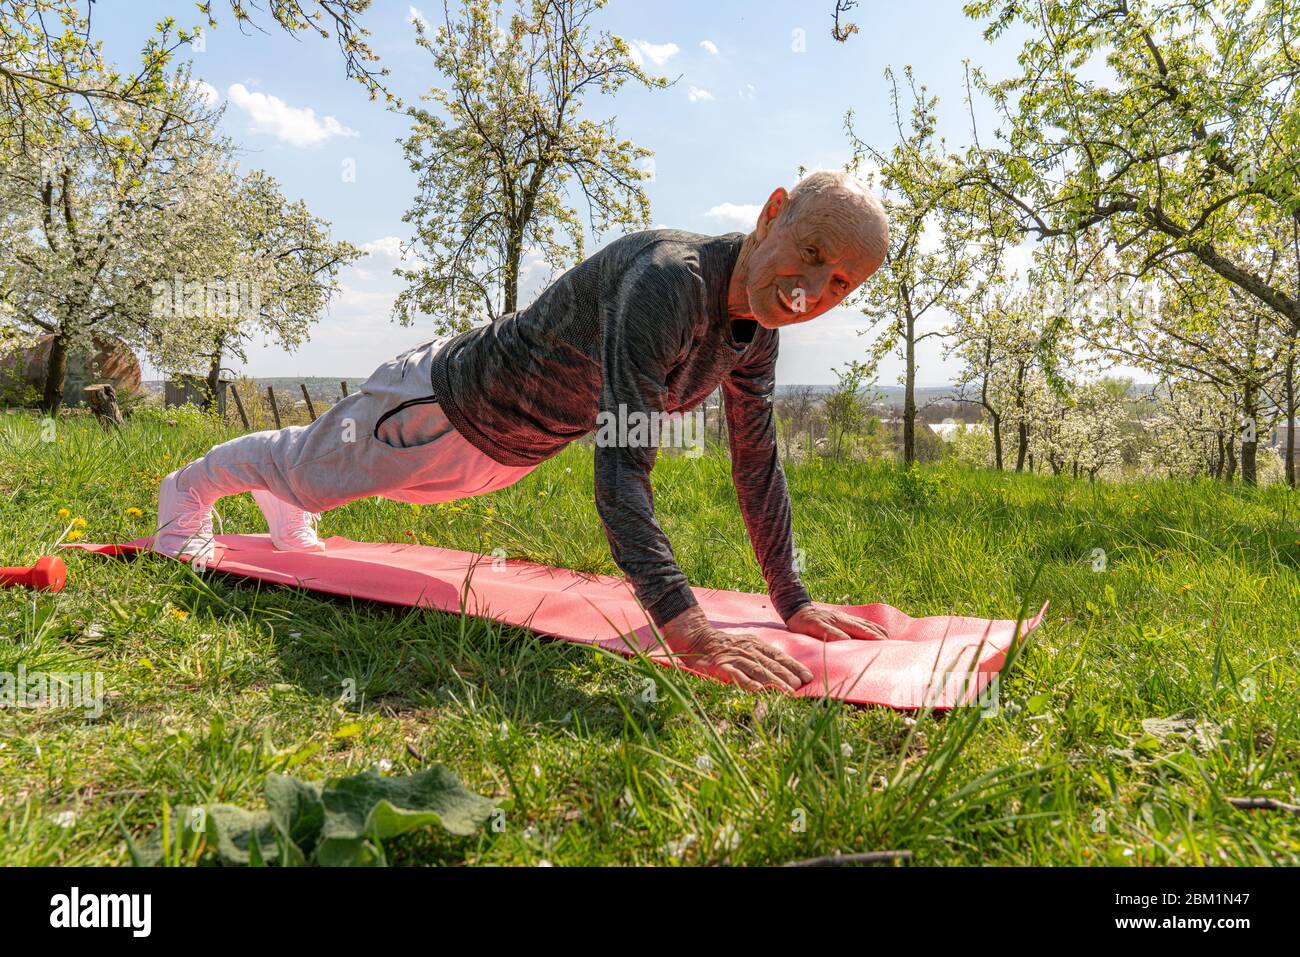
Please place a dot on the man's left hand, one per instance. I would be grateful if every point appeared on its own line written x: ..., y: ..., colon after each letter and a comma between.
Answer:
x: 830, y: 625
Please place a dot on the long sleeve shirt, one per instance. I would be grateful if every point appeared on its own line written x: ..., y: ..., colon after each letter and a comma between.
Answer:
x: 637, y: 333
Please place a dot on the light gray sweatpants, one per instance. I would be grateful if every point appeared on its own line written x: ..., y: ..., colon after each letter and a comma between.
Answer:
x: 390, y: 439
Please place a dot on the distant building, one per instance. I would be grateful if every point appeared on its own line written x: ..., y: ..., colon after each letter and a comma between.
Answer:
x: 948, y: 429
x: 110, y: 361
x: 1278, y: 439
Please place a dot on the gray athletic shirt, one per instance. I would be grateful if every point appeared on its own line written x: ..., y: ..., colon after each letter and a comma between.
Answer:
x: 642, y: 324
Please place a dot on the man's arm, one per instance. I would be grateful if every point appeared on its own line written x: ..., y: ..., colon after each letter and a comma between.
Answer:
x: 748, y: 394
x: 646, y: 331
x: 644, y: 336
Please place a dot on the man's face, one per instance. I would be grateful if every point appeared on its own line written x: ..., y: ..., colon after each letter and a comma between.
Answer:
x: 806, y: 263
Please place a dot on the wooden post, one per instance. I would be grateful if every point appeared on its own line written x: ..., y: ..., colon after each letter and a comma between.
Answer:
x: 275, y: 409
x: 311, y: 409
x: 103, y: 402
x: 344, y: 386
x: 239, y: 406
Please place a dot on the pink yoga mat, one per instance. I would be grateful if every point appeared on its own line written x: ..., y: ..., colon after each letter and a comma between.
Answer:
x: 941, y: 661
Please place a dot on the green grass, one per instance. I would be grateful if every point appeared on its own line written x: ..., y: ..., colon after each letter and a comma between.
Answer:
x: 211, y: 684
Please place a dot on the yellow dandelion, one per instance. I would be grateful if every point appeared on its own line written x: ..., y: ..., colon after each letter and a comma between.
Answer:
x: 1186, y: 587
x: 180, y: 614
x: 73, y: 536
x: 63, y: 513
x: 134, y: 512
x: 78, y: 522
x: 541, y: 494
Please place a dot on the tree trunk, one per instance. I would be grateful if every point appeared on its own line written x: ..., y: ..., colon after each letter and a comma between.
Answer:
x: 1249, y: 438
x: 56, y: 374
x: 995, y: 419
x: 1290, y: 420
x: 1248, y: 463
x: 214, y: 381
x: 1231, y: 471
x: 1022, y: 423
x: 102, y: 400
x: 997, y: 439
x: 909, y: 396
x: 514, y: 254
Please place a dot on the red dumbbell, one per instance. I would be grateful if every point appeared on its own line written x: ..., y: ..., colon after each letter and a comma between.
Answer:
x: 48, y: 574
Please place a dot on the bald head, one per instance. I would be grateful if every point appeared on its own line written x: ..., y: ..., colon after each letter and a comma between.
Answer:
x: 810, y: 248
x: 843, y: 200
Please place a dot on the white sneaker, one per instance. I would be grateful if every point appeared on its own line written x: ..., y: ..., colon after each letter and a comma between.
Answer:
x: 184, y: 522
x: 292, y: 529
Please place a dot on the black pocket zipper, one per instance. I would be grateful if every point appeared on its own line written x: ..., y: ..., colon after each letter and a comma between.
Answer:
x: 424, y: 400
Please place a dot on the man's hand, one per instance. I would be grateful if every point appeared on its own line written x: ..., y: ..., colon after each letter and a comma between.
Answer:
x: 830, y: 625
x: 735, y: 656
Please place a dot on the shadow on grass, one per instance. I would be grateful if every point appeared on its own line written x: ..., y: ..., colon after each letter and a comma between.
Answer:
x: 372, y: 656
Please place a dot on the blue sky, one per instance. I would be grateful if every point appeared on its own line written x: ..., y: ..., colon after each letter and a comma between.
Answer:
x: 749, y: 109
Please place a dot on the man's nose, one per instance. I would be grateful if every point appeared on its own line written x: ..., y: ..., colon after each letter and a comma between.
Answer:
x: 814, y: 288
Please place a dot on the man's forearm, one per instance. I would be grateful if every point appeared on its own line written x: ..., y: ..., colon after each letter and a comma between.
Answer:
x: 748, y: 395
x: 765, y: 507
x: 625, y: 502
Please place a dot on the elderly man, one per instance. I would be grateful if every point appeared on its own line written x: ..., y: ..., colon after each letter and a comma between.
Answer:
x: 651, y: 324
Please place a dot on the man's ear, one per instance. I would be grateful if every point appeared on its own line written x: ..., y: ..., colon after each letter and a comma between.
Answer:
x: 771, y: 209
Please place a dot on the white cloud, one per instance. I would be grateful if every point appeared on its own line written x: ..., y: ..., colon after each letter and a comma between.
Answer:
x: 1020, y: 259
x: 535, y: 274
x: 382, y: 256
x: 211, y: 96
x: 747, y: 91
x: 385, y: 247
x: 741, y: 216
x: 295, y: 125
x: 709, y: 47
x: 416, y: 16
x: 870, y: 173
x: 931, y: 236
x: 656, y: 53
x: 696, y: 94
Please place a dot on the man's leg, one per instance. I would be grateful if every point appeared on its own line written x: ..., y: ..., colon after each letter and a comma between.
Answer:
x: 387, y: 438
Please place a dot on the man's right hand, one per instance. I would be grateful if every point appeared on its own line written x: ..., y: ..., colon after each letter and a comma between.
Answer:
x: 732, y: 656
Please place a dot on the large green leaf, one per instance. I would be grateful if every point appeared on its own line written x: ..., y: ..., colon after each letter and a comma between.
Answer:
x: 397, y: 805
x: 232, y: 831
x: 296, y: 808
x: 341, y: 822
